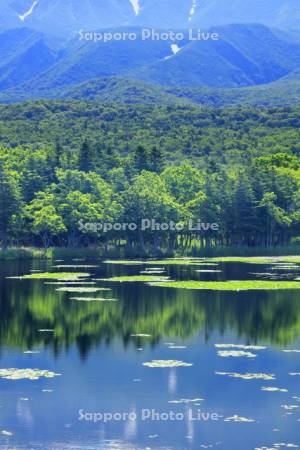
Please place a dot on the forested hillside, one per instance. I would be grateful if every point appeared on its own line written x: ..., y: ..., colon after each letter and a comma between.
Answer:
x: 69, y: 163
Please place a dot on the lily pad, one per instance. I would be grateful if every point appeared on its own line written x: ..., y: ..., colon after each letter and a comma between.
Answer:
x: 93, y: 299
x: 141, y: 335
x: 244, y: 347
x: 237, y: 418
x: 79, y: 289
x: 132, y: 278
x: 29, y: 374
x: 248, y: 376
x: 236, y: 354
x: 166, y: 363
x: 74, y: 266
x: 6, y: 433
x: 52, y: 276
x: 245, y: 285
x: 208, y: 271
x: 186, y: 400
x: 273, y: 389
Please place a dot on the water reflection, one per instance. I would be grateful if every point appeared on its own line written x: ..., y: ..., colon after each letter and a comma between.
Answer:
x: 271, y: 316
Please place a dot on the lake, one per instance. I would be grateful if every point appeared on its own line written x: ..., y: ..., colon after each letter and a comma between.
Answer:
x: 232, y: 375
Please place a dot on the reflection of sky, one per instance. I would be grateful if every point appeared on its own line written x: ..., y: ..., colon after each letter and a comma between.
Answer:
x: 172, y: 381
x: 104, y: 382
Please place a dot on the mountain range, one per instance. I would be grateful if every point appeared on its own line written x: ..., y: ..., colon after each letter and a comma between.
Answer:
x: 56, y: 49
x: 32, y: 65
x: 65, y: 17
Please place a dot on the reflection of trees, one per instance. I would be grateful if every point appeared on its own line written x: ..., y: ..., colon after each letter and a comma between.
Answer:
x: 26, y: 307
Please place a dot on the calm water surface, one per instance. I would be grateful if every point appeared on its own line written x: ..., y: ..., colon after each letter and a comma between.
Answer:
x: 102, y: 371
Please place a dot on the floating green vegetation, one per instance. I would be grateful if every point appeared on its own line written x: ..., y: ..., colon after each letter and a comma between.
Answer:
x: 248, y: 376
x: 291, y: 259
x: 74, y: 266
x: 131, y: 278
x: 68, y: 283
x: 79, y: 289
x: 237, y: 418
x: 289, y: 407
x: 152, y: 272
x: 162, y: 262
x: 177, y: 347
x: 144, y: 335
x: 6, y: 433
x: 244, y: 347
x: 93, y: 299
x: 166, y: 363
x: 236, y: 354
x: 207, y: 271
x: 246, y: 259
x: 186, y: 400
x: 246, y: 285
x: 291, y: 351
x: 124, y: 262
x: 29, y: 374
x: 273, y: 389
x: 67, y: 276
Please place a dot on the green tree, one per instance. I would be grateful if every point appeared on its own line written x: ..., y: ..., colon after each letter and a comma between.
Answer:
x: 10, y: 202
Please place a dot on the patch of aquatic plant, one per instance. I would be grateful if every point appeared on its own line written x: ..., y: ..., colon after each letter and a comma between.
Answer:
x: 177, y: 347
x: 248, y: 376
x: 229, y: 285
x: 162, y: 262
x: 152, y: 272
x: 78, y: 289
x: 236, y: 354
x: 6, y: 433
x: 29, y: 374
x: 126, y: 262
x: 237, y: 418
x: 70, y: 283
x: 246, y: 259
x: 186, y: 400
x: 244, y: 347
x: 93, y: 299
x: 75, y: 266
x: 166, y: 363
x: 289, y: 407
x: 208, y: 271
x: 273, y: 389
x: 131, y: 278
x: 141, y: 335
x: 67, y: 276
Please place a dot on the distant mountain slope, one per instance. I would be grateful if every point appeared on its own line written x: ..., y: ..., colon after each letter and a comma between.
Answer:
x: 65, y: 17
x: 244, y: 56
x: 32, y: 67
x: 129, y: 91
x: 23, y: 54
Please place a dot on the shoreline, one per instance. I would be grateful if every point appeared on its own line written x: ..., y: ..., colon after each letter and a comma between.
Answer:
x: 35, y: 253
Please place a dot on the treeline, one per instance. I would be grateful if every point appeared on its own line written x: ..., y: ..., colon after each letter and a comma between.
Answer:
x: 49, y: 194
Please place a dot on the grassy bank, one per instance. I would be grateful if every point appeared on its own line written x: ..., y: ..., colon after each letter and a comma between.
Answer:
x: 98, y: 252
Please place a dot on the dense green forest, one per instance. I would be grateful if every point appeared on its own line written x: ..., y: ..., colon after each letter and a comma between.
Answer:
x: 63, y: 164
